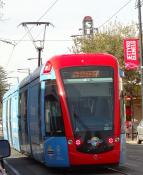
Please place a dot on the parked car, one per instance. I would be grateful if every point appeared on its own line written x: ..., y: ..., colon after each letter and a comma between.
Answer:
x: 140, y: 132
x: 4, y: 152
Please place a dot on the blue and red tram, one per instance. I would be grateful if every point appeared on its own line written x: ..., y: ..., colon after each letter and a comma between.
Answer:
x: 67, y: 112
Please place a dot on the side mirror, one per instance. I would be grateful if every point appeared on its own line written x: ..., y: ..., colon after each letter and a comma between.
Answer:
x: 4, y: 149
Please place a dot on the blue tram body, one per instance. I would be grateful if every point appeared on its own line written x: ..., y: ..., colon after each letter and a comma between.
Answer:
x: 10, y: 117
x: 24, y: 123
x: 29, y: 129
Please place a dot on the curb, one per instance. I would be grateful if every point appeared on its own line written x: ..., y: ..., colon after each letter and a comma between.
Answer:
x: 131, y: 141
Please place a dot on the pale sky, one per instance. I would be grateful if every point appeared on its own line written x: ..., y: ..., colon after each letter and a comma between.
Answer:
x: 65, y: 15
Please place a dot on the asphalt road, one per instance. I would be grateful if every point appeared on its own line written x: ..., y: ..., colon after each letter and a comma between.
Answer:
x: 135, y: 159
x: 18, y: 164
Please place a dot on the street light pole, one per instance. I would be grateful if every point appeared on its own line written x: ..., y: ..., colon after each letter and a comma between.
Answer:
x: 141, y: 50
x: 41, y: 42
x: 140, y: 31
x: 39, y: 56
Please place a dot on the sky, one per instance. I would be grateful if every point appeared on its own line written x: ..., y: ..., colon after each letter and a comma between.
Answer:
x: 65, y: 15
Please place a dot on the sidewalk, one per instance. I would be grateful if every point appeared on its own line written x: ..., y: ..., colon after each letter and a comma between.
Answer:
x: 131, y: 141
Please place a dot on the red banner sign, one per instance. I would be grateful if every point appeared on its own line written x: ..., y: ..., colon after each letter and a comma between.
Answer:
x: 131, y: 53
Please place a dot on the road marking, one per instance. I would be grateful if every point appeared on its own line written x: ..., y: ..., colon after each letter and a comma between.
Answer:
x: 11, y: 168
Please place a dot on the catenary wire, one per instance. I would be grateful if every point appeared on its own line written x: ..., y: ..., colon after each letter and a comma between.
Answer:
x: 121, y: 8
x: 38, y: 21
x: 22, y: 39
x: 10, y: 57
x: 47, y: 40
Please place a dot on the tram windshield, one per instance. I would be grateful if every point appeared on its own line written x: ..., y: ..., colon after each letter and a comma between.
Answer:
x: 89, y: 92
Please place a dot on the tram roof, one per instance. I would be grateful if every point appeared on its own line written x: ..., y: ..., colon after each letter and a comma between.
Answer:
x: 11, y: 91
x: 65, y: 61
x: 83, y: 59
x: 31, y: 77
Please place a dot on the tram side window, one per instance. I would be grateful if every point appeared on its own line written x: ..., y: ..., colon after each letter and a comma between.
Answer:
x: 8, y: 119
x: 24, y: 104
x: 53, y: 112
x: 6, y: 109
x: 122, y: 113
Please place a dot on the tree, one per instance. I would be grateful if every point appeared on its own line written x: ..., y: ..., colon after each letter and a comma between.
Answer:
x: 3, y: 75
x: 110, y: 40
x: 3, y: 82
x: 3, y: 86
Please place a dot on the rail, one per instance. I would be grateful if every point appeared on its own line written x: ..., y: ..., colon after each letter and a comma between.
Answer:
x: 118, y: 171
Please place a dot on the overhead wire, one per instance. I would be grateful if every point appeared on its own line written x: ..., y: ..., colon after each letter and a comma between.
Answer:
x: 22, y: 39
x: 10, y: 56
x: 30, y: 35
x: 53, y: 4
x: 121, y: 8
x: 48, y: 10
x: 38, y: 21
x: 47, y: 40
x: 44, y: 36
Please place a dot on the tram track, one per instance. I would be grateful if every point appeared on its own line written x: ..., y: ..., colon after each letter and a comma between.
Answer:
x: 19, y: 164
x: 105, y: 171
x: 118, y: 171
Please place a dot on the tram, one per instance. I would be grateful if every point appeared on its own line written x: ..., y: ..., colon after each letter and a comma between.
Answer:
x: 67, y: 112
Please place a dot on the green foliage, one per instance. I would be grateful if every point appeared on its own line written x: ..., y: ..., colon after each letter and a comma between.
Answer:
x: 3, y: 82
x: 110, y: 40
x: 3, y: 75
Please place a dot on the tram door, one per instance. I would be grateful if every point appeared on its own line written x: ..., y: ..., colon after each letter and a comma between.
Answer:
x: 14, y: 121
x: 56, y: 149
x: 35, y: 120
x: 23, y: 121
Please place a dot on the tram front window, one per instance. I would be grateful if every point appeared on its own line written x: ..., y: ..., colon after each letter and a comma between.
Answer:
x: 53, y: 112
x: 89, y: 92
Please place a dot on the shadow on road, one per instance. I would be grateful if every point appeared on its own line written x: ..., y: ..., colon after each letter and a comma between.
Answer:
x: 28, y: 166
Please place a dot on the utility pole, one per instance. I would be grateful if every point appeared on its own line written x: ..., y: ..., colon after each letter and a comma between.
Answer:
x: 39, y: 55
x: 141, y: 49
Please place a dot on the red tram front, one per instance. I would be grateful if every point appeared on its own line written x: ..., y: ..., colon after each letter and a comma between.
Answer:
x: 88, y: 88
